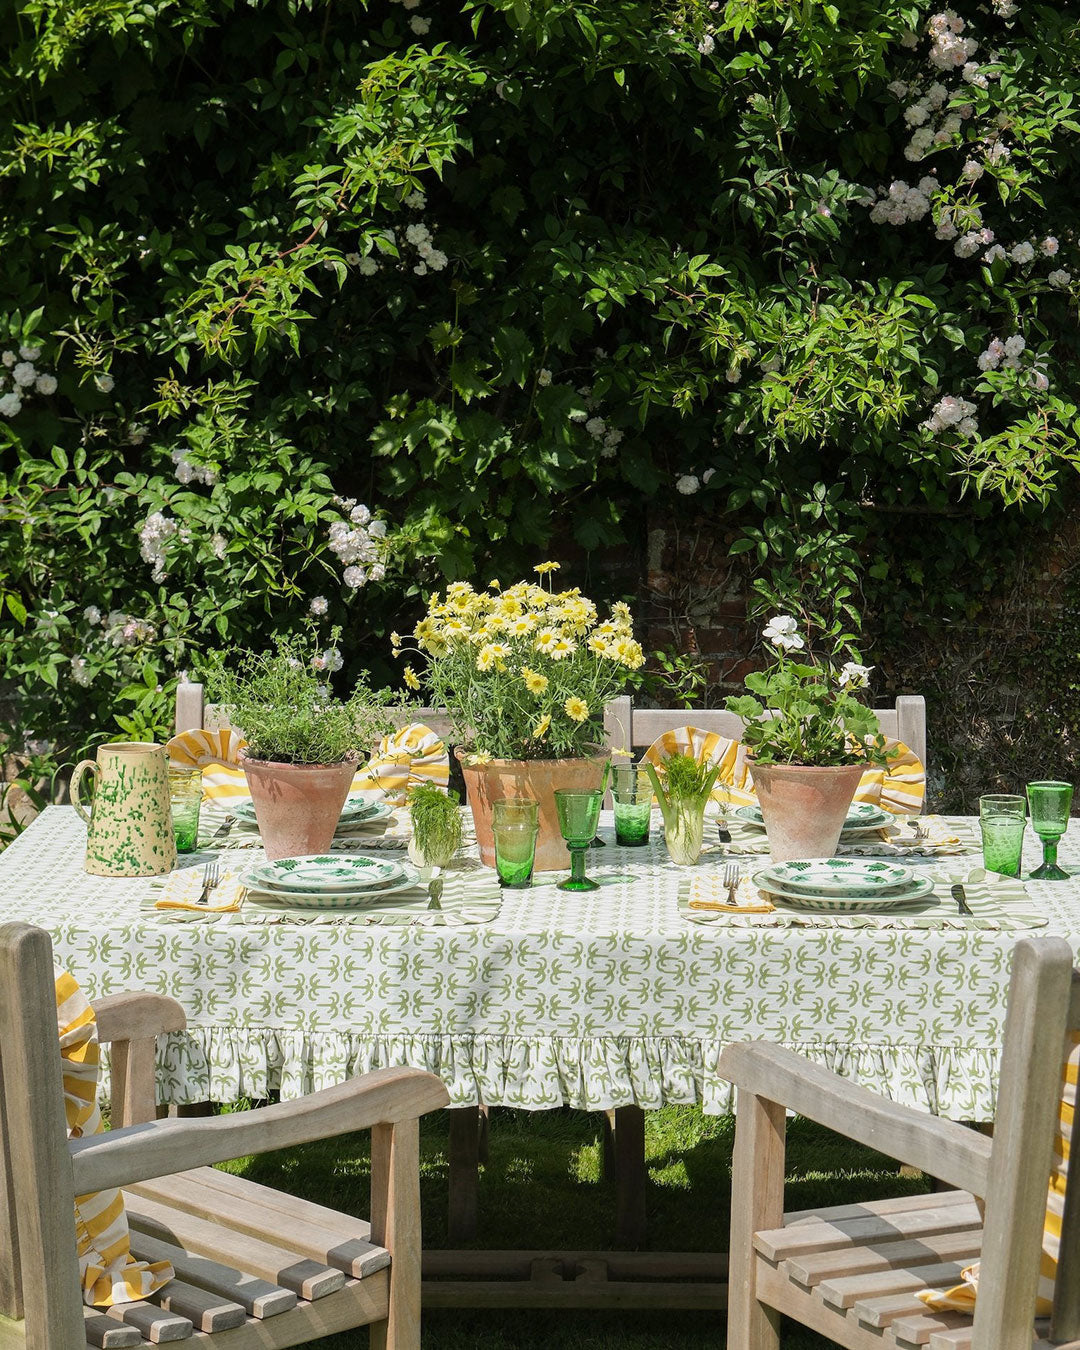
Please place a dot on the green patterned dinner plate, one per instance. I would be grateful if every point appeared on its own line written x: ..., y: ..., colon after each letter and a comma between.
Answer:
x: 918, y: 888
x: 860, y: 816
x: 358, y: 899
x: 323, y: 873
x: 355, y: 810
x: 838, y: 876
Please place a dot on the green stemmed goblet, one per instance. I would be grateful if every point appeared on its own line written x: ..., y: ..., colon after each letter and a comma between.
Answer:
x: 1049, y: 804
x: 579, y: 814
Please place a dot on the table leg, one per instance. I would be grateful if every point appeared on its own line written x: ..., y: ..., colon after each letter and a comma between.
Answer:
x: 624, y: 1159
x: 482, y: 1144
x: 464, y: 1160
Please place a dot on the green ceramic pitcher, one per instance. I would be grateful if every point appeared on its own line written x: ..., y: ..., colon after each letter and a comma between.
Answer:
x: 129, y: 826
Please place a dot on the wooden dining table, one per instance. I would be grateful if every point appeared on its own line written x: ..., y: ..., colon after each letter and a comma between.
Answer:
x: 615, y: 1000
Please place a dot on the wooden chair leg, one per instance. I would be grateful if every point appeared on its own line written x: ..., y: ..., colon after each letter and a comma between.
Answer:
x: 395, y: 1225
x: 757, y: 1202
x: 464, y: 1162
x: 624, y: 1159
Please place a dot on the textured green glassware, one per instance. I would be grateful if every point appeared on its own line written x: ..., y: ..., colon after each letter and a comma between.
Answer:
x: 185, y: 799
x: 1002, y: 843
x: 579, y: 814
x: 1050, y: 803
x: 632, y: 793
x: 515, y: 852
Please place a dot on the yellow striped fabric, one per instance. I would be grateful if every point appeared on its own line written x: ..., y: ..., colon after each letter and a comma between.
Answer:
x: 733, y: 783
x: 413, y: 755
x: 110, y: 1274
x: 217, y: 753
x: 900, y: 787
x: 962, y: 1297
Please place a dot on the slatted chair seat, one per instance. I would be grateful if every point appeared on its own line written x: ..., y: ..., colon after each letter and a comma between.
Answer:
x: 255, y: 1268
x: 852, y: 1272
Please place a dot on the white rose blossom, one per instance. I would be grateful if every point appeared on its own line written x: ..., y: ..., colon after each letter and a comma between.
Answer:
x: 688, y: 484
x: 319, y: 605
x: 1059, y: 279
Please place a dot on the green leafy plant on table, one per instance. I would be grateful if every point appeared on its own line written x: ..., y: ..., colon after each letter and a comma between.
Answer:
x: 302, y: 744
x: 683, y: 786
x: 281, y: 699
x: 807, y: 711
x: 436, y: 825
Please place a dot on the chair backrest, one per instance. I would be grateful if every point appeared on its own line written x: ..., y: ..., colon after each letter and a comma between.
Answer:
x: 637, y: 728
x: 39, y: 1267
x: 194, y: 713
x: 1044, y: 1012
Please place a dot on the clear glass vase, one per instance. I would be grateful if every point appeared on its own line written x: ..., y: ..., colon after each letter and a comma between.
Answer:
x: 684, y: 832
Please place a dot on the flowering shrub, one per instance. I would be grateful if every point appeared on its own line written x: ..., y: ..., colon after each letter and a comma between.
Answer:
x: 525, y: 672
x: 500, y: 270
x: 807, y: 713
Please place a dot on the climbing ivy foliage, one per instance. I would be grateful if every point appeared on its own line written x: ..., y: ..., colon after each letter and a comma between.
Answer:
x: 507, y: 272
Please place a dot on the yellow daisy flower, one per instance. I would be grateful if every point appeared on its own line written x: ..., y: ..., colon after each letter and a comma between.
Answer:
x: 540, y: 730
x: 495, y: 584
x: 561, y: 648
x: 535, y: 683
x: 542, y: 569
x: 576, y: 709
x: 410, y: 677
x: 395, y: 640
x: 479, y: 757
x: 629, y: 652
x: 546, y: 639
x: 521, y: 627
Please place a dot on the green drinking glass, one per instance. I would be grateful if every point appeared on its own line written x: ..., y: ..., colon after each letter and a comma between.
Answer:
x: 1050, y: 803
x: 515, y: 811
x: 1002, y: 821
x: 632, y: 793
x: 515, y: 852
x: 185, y: 799
x: 579, y: 814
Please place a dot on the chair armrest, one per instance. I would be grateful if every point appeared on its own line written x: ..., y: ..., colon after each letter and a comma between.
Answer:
x: 161, y: 1147
x: 939, y: 1147
x: 137, y: 1016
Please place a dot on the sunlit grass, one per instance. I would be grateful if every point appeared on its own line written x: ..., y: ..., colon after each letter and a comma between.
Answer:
x: 543, y: 1187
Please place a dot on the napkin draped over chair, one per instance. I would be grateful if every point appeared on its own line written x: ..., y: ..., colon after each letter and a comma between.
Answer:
x: 415, y: 754
x: 962, y: 1297
x: 110, y: 1274
x: 899, y: 787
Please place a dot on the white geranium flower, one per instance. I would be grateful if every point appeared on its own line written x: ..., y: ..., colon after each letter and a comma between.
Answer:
x: 854, y: 676
x: 783, y: 623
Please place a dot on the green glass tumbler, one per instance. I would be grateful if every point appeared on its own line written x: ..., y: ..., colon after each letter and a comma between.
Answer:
x: 185, y: 799
x: 1050, y: 803
x: 579, y: 815
x: 515, y: 852
x: 632, y: 793
x: 515, y: 811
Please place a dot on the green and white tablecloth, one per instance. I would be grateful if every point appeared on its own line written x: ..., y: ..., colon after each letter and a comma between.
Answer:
x: 596, y: 1000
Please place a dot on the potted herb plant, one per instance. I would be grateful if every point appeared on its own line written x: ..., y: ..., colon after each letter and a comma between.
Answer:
x: 809, y: 738
x: 525, y: 673
x: 682, y: 788
x: 436, y: 825
x: 302, y: 743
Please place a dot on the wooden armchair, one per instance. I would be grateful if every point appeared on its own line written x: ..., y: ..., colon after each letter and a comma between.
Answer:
x: 850, y: 1272
x: 256, y: 1269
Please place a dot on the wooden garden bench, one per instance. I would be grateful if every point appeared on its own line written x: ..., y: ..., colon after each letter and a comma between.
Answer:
x: 850, y: 1272
x: 256, y: 1269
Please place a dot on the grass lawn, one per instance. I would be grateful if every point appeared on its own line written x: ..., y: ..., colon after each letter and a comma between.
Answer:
x: 543, y: 1188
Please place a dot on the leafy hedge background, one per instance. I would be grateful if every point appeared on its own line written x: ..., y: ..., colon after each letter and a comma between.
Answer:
x: 528, y: 278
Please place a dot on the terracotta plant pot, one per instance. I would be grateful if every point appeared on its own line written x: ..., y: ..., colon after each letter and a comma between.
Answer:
x: 804, y: 808
x: 535, y: 778
x: 297, y: 806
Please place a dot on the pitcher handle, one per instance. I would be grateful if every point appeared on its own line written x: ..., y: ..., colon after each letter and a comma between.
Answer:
x: 83, y: 767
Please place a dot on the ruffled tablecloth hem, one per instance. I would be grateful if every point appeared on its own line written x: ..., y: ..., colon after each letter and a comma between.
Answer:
x: 538, y: 1073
